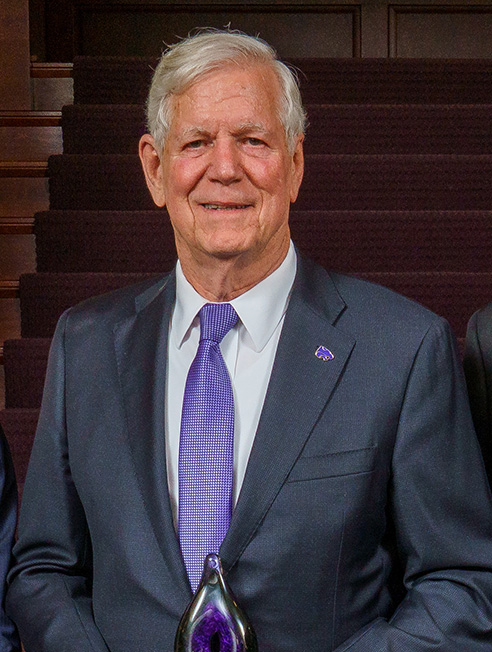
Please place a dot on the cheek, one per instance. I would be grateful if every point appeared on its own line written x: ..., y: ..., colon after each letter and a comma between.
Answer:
x: 268, y: 176
x: 181, y: 178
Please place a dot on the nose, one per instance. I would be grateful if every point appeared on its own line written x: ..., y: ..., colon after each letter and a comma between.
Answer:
x: 225, y: 164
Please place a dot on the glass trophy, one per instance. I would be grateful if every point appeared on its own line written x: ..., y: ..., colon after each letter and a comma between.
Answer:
x: 213, y: 621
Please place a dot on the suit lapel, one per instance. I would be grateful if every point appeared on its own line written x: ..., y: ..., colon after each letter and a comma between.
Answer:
x: 299, y: 389
x: 141, y: 351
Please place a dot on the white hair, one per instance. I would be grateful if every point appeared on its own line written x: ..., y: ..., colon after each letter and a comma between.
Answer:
x: 185, y: 62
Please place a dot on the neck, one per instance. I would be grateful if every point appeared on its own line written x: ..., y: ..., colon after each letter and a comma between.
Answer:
x: 225, y: 279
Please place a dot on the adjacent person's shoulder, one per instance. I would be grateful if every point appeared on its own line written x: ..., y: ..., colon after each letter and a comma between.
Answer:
x: 482, y: 319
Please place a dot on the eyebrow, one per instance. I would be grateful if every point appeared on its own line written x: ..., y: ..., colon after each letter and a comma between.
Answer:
x: 192, y: 132
x: 252, y: 126
x: 245, y: 127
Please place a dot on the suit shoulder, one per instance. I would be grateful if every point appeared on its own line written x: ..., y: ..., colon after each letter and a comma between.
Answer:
x: 483, y: 317
x: 383, y: 305
x: 480, y: 324
x: 113, y: 306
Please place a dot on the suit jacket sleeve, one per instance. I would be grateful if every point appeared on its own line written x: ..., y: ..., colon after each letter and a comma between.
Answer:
x: 9, y: 640
x: 49, y: 596
x: 478, y: 371
x: 440, y: 508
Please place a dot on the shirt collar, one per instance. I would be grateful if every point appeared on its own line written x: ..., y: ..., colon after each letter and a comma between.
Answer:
x: 260, y: 309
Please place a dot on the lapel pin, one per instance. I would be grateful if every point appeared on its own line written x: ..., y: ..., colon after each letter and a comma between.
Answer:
x: 323, y: 353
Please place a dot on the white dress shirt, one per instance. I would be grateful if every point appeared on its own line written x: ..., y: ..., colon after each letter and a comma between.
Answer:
x: 248, y: 350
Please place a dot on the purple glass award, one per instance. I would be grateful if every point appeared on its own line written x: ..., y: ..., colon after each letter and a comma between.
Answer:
x: 213, y: 622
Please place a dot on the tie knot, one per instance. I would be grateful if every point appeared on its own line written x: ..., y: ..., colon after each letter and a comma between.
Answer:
x: 216, y: 320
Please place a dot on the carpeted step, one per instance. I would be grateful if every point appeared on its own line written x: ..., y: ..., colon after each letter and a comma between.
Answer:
x: 399, y: 129
x: 143, y: 241
x: 104, y: 241
x: 108, y: 129
x: 43, y: 297
x: 396, y: 241
x: 112, y: 80
x: 25, y: 367
x: 97, y: 183
x: 331, y: 182
x: 19, y: 426
x: 117, y: 80
x: 333, y: 129
x: 454, y: 295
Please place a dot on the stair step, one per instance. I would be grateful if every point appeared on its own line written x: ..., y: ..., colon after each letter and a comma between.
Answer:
x: 114, y: 182
x: 19, y: 426
x: 454, y: 295
x: 113, y: 129
x: 104, y: 241
x: 333, y: 129
x: 331, y: 182
x: 44, y: 297
x: 122, y: 80
x: 348, y: 241
x: 25, y: 368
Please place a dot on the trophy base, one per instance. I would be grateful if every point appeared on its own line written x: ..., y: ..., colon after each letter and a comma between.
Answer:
x: 213, y: 621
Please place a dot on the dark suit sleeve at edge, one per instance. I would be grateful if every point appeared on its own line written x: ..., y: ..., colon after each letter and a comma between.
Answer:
x: 442, y: 512
x: 49, y: 586
x: 9, y: 641
x: 477, y: 369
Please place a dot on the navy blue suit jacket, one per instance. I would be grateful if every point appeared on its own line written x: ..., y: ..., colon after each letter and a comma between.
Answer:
x: 9, y: 641
x: 478, y: 372
x: 364, y: 521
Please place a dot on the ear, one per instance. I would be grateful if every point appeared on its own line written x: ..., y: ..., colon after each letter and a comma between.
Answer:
x: 297, y: 169
x: 151, y: 164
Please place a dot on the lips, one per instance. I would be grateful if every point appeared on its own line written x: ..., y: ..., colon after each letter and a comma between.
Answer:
x: 225, y: 207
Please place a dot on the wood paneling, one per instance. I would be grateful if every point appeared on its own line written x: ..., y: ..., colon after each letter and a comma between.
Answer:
x: 22, y: 197
x: 457, y: 31
x: 16, y: 225
x: 52, y: 70
x: 374, y: 30
x: 50, y: 94
x: 17, y: 255
x: 23, y: 169
x: 29, y: 136
x: 302, y: 31
x: 140, y: 28
x: 14, y: 55
x: 9, y: 313
x: 297, y: 28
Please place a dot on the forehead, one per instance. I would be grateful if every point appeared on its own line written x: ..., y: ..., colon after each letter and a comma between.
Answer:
x: 250, y: 94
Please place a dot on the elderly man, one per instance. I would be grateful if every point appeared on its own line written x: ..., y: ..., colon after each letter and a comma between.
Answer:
x: 310, y: 427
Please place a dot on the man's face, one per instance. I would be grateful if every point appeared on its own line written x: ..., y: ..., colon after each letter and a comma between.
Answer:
x: 226, y: 175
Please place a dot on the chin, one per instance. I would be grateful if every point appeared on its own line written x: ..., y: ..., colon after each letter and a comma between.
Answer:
x: 225, y: 253
x: 230, y: 248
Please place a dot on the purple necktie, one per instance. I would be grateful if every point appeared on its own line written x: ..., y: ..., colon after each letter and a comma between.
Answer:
x: 206, y: 445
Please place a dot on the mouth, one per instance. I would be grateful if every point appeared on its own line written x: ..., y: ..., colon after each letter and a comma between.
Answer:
x: 225, y: 206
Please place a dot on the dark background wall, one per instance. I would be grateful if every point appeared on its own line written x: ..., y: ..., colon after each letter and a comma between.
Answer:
x: 61, y: 29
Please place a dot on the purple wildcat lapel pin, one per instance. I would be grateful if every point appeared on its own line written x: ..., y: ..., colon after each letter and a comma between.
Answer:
x: 323, y: 353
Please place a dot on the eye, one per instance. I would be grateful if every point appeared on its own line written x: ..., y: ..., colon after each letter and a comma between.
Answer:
x: 194, y: 144
x: 255, y: 142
